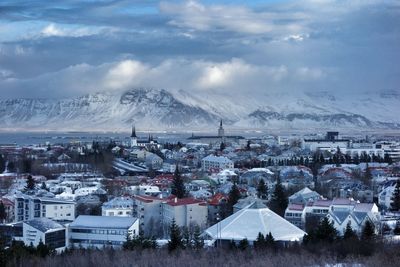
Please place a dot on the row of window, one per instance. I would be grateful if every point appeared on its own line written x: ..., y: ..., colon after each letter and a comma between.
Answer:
x: 97, y: 242
x: 100, y: 231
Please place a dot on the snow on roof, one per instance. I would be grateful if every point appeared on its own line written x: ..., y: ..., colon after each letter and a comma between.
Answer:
x: 184, y: 201
x: 261, y: 170
x: 248, y: 222
x: 221, y: 159
x: 44, y: 224
x: 88, y: 221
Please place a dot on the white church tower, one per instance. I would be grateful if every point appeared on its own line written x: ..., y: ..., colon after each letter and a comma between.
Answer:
x: 133, y: 137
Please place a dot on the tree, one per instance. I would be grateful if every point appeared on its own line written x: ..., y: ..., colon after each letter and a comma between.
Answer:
x: 198, y: 241
x: 326, y: 231
x: 11, y: 166
x: 349, y: 232
x: 42, y: 249
x: 279, y: 200
x: 395, y: 204
x: 368, y: 231
x: 175, y: 238
x: 30, y: 183
x: 2, y: 164
x: 44, y: 187
x: 233, y: 197
x: 178, y: 187
x: 367, y: 175
x: 3, y: 214
x: 262, y: 189
x: 243, y: 244
x: 396, y: 230
x: 222, y: 146
x: 260, y: 241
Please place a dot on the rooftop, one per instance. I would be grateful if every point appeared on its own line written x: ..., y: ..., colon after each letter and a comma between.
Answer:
x: 184, y: 201
x: 44, y: 224
x: 113, y: 222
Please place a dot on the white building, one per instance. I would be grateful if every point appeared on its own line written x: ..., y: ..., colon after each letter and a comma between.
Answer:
x: 119, y: 206
x: 46, y: 231
x: 31, y: 207
x: 212, y: 162
x: 99, y: 231
x: 149, y: 212
x: 187, y: 212
x: 252, y: 220
x: 357, y: 214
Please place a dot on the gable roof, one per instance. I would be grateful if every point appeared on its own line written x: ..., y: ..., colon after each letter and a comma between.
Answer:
x: 250, y: 221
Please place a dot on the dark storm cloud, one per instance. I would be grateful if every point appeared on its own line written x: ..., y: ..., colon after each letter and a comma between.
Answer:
x: 64, y: 48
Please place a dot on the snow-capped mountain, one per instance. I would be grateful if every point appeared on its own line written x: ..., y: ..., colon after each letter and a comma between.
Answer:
x: 160, y: 109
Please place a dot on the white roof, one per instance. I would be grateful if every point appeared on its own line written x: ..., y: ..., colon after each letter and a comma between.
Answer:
x: 261, y: 170
x: 248, y: 222
x: 88, y: 221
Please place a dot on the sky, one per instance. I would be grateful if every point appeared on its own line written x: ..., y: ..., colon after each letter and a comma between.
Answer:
x: 57, y: 49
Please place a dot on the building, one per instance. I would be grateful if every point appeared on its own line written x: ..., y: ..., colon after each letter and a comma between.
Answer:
x: 9, y: 208
x: 186, y: 212
x: 330, y: 143
x: 213, y: 139
x: 249, y: 222
x: 148, y: 210
x: 304, y: 196
x: 357, y: 214
x: 119, y: 206
x: 133, y: 137
x: 99, y: 231
x: 46, y: 231
x: 218, y: 163
x: 31, y: 207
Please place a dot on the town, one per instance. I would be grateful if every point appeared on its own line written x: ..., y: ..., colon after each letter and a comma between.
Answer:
x: 202, y: 191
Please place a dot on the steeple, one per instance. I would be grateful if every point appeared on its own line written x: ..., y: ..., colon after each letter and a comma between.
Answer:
x: 133, y: 132
x: 221, y: 132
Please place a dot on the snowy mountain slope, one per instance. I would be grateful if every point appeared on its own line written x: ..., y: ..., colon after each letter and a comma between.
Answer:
x: 161, y: 109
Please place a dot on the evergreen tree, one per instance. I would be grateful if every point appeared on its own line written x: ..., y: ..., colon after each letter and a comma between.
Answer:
x: 367, y: 175
x: 260, y: 241
x: 326, y: 231
x: 2, y: 164
x: 349, y: 232
x: 175, y: 239
x: 395, y: 204
x: 42, y: 249
x: 368, y: 231
x: 178, y: 187
x: 30, y: 183
x: 279, y: 200
x: 262, y: 189
x: 198, y: 241
x: 44, y: 187
x: 233, y: 197
x: 3, y: 214
x: 222, y: 146
x: 243, y: 244
x: 269, y: 240
x: 396, y: 230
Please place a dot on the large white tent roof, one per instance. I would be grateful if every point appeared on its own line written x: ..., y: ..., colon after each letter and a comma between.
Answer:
x: 250, y: 221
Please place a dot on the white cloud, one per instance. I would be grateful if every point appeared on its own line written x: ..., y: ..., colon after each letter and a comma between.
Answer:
x: 196, y: 16
x: 69, y: 31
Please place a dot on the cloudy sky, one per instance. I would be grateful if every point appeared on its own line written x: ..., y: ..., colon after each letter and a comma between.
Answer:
x: 70, y: 48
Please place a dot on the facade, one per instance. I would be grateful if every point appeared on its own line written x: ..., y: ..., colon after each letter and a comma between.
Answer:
x: 31, y: 207
x: 213, y: 139
x: 212, y: 162
x: 330, y: 143
x: 46, y: 231
x: 9, y: 208
x: 186, y: 212
x: 119, y: 206
x: 99, y: 231
x: 148, y: 210
x: 357, y: 214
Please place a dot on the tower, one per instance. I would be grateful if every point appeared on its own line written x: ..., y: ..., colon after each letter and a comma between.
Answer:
x: 133, y: 137
x: 221, y: 132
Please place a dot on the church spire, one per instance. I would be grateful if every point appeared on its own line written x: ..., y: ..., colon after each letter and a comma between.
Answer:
x: 220, y: 124
x: 133, y: 132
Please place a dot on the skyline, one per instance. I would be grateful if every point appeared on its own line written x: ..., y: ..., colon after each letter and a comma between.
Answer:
x: 71, y: 48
